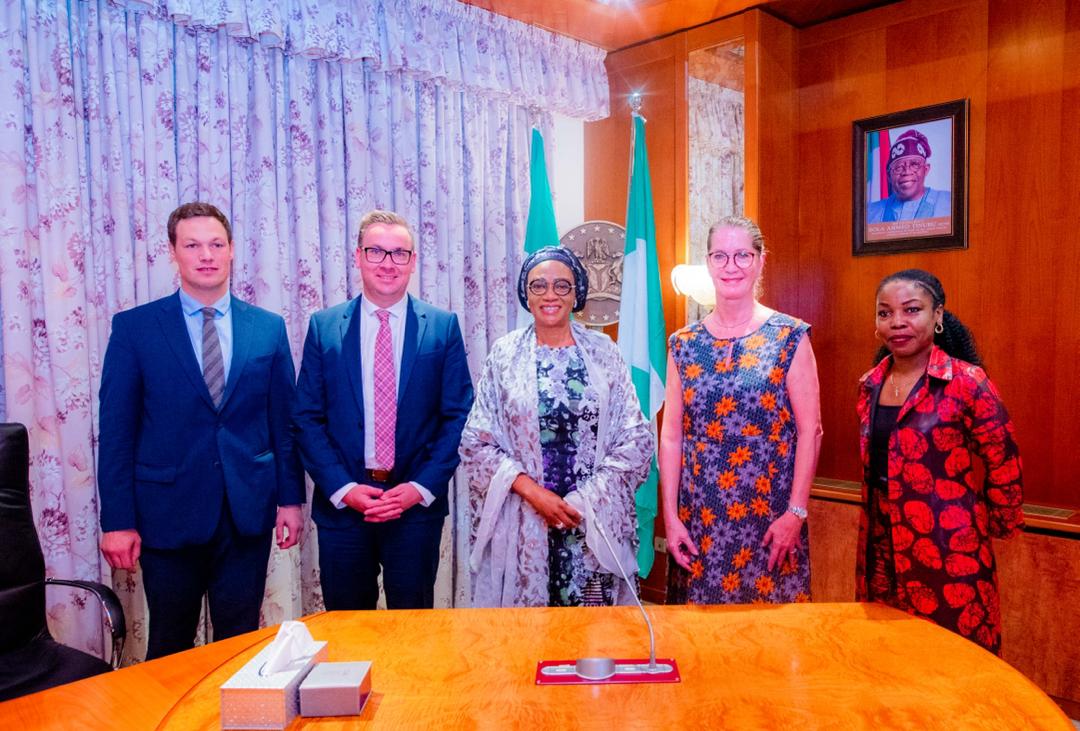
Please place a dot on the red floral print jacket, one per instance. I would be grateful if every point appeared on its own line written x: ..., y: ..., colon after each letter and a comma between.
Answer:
x: 941, y: 516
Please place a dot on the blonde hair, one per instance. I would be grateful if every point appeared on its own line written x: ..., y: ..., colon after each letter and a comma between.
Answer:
x: 385, y: 218
x: 757, y: 239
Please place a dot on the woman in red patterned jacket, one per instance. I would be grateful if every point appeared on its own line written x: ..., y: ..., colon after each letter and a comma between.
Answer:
x: 924, y: 412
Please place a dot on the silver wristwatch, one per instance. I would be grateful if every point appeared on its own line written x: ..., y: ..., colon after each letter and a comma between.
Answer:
x: 797, y: 511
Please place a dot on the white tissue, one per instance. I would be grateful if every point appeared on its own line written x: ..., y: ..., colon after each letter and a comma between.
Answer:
x: 293, y: 642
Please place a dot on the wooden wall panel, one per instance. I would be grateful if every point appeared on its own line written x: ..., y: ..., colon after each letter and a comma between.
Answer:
x: 1017, y: 284
x: 1040, y: 591
x: 834, y: 533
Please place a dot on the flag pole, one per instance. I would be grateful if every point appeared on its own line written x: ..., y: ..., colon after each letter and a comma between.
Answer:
x: 642, y: 337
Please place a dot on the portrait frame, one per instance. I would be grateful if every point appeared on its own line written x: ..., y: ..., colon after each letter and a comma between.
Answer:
x: 934, y: 217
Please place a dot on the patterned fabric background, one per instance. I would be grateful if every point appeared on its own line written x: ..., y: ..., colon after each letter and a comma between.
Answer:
x: 293, y: 117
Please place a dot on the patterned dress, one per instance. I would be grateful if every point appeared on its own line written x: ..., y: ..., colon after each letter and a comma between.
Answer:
x: 738, y: 458
x: 509, y: 542
x: 925, y: 535
x: 568, y: 413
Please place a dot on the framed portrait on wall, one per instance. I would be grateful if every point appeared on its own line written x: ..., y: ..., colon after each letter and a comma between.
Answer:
x: 909, y: 180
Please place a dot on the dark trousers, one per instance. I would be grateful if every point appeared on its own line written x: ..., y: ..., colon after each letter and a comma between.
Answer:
x: 230, y: 570
x: 408, y: 552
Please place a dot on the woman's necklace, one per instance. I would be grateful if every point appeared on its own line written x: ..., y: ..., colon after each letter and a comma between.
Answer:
x: 719, y: 324
x: 738, y: 333
x: 897, y: 386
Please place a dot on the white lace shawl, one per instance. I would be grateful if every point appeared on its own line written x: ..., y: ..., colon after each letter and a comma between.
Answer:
x: 509, y: 540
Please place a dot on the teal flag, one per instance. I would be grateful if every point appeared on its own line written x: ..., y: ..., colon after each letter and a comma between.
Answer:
x: 642, y: 337
x: 540, y: 231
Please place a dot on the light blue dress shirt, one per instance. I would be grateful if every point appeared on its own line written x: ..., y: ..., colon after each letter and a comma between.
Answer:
x: 193, y: 319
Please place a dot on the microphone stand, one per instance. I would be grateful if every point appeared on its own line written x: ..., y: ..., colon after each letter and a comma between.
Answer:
x: 633, y: 592
x: 606, y: 669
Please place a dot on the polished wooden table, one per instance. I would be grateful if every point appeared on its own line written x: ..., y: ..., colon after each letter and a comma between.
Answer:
x: 768, y: 667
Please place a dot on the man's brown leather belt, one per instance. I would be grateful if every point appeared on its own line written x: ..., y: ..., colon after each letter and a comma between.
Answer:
x: 378, y: 475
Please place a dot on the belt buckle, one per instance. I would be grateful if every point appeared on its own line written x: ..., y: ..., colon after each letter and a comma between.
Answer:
x: 379, y: 475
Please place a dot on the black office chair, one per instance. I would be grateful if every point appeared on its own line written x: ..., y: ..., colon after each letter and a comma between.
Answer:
x: 30, y: 659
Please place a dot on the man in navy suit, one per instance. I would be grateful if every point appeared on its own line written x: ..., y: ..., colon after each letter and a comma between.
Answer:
x: 197, y: 463
x: 383, y: 395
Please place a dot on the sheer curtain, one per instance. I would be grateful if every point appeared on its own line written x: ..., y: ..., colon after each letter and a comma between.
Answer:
x: 295, y: 118
x: 716, y: 165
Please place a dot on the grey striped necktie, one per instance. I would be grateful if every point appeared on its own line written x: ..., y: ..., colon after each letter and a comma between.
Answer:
x: 213, y: 365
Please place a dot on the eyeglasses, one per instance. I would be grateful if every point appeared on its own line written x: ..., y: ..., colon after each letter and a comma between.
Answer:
x: 743, y: 259
x: 562, y: 287
x: 907, y: 166
x: 375, y: 255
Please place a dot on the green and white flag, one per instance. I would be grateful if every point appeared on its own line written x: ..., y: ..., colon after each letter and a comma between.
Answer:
x: 642, y: 338
x: 540, y: 229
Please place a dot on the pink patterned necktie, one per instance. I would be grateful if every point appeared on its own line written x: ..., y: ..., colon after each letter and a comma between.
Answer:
x: 385, y: 392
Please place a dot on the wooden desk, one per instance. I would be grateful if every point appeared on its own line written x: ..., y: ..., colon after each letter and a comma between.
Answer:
x: 805, y: 666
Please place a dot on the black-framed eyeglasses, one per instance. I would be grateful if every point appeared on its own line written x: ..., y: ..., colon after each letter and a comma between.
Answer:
x: 562, y: 287
x: 906, y: 166
x: 376, y: 255
x: 743, y: 258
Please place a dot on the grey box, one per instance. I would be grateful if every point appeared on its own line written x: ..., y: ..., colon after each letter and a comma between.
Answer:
x: 336, y: 689
x: 253, y: 701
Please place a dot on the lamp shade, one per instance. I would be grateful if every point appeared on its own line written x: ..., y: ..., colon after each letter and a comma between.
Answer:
x: 693, y: 280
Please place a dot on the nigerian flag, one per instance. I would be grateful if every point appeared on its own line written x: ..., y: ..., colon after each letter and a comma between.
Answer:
x: 540, y: 230
x: 642, y: 337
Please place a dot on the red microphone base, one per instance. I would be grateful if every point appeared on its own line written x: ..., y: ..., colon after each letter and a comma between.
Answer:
x: 603, y: 671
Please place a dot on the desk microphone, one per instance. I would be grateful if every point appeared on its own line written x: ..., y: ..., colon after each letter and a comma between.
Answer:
x: 606, y: 669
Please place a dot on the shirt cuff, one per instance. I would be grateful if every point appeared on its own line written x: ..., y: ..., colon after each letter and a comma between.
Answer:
x: 338, y: 498
x: 426, y: 498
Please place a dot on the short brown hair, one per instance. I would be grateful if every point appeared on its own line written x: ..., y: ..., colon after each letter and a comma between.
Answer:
x: 386, y: 218
x: 197, y: 209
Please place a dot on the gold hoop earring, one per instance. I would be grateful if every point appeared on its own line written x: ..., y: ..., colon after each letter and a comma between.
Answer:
x: 877, y: 335
x: 939, y: 328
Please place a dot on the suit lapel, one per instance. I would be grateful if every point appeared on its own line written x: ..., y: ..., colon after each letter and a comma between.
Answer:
x: 171, y: 319
x: 415, y: 326
x: 351, y: 351
x: 242, y: 333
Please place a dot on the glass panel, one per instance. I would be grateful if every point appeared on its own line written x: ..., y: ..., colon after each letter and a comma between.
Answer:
x: 717, y: 163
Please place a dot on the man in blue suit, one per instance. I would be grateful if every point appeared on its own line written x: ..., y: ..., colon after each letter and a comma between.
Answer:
x: 383, y: 395
x: 196, y: 457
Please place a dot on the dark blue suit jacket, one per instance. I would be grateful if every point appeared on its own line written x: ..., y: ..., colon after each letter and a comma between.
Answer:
x: 434, y: 396
x: 167, y: 456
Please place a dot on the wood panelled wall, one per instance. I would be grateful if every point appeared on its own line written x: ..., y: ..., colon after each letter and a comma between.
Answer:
x: 1018, y: 284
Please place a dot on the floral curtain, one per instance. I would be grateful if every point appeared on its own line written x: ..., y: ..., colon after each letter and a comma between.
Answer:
x: 293, y: 117
x: 716, y: 165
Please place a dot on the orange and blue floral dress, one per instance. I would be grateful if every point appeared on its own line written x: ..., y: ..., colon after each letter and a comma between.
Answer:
x: 738, y: 458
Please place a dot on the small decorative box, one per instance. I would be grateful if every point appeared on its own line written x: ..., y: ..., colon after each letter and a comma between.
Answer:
x: 336, y: 689
x: 250, y: 700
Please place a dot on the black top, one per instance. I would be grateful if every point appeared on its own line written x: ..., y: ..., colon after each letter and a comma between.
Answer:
x: 884, y: 424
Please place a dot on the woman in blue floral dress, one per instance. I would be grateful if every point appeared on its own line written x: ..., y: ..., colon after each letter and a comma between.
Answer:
x: 740, y: 439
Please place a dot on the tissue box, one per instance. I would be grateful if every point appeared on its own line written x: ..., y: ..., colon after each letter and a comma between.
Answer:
x: 336, y: 689
x: 253, y: 701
